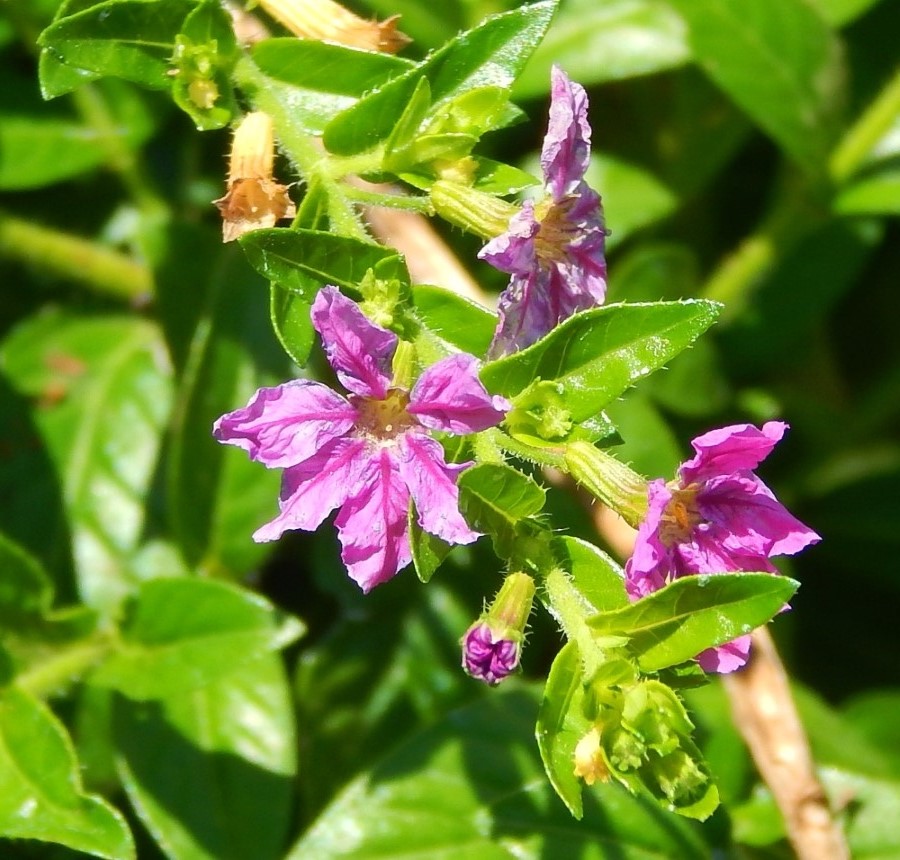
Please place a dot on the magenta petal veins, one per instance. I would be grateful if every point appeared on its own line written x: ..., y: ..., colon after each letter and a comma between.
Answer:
x: 367, y: 454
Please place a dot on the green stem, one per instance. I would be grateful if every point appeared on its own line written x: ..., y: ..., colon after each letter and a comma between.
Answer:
x: 567, y: 605
x: 862, y: 137
x: 553, y: 457
x: 104, y: 271
x: 63, y: 667
x: 390, y: 201
x: 308, y: 157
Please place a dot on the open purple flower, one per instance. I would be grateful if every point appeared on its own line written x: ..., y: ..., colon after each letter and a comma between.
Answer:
x: 369, y: 452
x: 554, y: 249
x: 715, y: 517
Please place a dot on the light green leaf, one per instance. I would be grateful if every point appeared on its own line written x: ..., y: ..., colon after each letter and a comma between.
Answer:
x: 184, y: 633
x: 492, y: 54
x: 841, y: 12
x: 40, y: 790
x: 209, y: 771
x: 874, y: 194
x: 454, y: 320
x: 779, y: 61
x: 598, y: 354
x: 473, y: 785
x: 111, y: 395
x: 319, y: 80
x: 610, y: 41
x: 693, y: 613
x: 596, y: 576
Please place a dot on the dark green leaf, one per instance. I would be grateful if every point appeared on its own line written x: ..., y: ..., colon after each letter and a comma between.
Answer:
x: 42, y: 797
x: 209, y: 772
x: 184, y: 633
x: 596, y: 355
x: 598, y: 42
x: 779, y: 61
x: 428, y: 550
x: 131, y: 39
x: 490, y: 55
x: 693, y: 613
x: 649, y: 444
x: 500, y: 799
x: 454, y: 320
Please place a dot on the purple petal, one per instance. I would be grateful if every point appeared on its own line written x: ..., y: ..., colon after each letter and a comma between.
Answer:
x: 751, y: 517
x: 284, y: 425
x: 359, y: 351
x: 739, y: 447
x: 372, y: 524
x: 514, y: 250
x: 449, y: 396
x: 650, y: 564
x: 432, y: 483
x: 488, y: 659
x: 725, y: 658
x: 311, y: 490
x: 706, y: 552
x: 567, y: 145
x: 526, y: 314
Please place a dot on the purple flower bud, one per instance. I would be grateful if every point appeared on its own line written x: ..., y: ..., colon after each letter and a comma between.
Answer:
x: 488, y: 657
x: 492, y: 645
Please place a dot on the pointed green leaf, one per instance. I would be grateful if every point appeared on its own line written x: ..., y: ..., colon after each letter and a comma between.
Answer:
x: 428, y: 550
x: 693, y: 613
x: 492, y: 54
x: 319, y: 80
x: 597, y: 355
x: 209, y: 772
x: 452, y: 319
x: 183, y: 633
x: 779, y: 61
x: 40, y: 788
x: 599, y: 579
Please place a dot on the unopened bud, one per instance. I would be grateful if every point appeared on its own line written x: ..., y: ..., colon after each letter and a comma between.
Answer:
x: 609, y: 480
x: 479, y: 213
x: 492, y: 645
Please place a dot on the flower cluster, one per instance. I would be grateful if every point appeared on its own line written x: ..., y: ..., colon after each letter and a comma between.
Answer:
x: 554, y: 249
x: 716, y: 517
x: 367, y: 453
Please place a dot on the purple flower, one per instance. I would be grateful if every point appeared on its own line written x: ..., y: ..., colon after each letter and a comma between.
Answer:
x: 553, y: 249
x: 488, y: 657
x: 369, y: 452
x: 715, y: 517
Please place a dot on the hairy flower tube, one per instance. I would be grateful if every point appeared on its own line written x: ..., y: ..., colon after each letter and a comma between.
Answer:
x: 554, y: 249
x: 492, y: 646
x: 715, y: 517
x: 367, y: 453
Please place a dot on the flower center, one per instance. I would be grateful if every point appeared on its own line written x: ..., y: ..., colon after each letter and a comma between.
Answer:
x: 384, y: 419
x: 556, y: 231
x: 681, y: 516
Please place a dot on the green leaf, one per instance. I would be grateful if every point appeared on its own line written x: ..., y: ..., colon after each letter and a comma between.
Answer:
x: 24, y: 587
x: 596, y: 355
x: 874, y: 194
x: 561, y: 724
x: 217, y: 496
x: 841, y: 12
x: 111, y: 395
x: 495, y: 498
x: 649, y: 445
x: 183, y: 633
x: 319, y: 80
x: 428, y: 551
x: 41, y: 796
x: 454, y: 320
x: 610, y: 41
x: 474, y: 782
x: 130, y: 39
x: 492, y: 54
x: 693, y: 613
x: 779, y: 61
x: 209, y: 772
x: 596, y: 576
